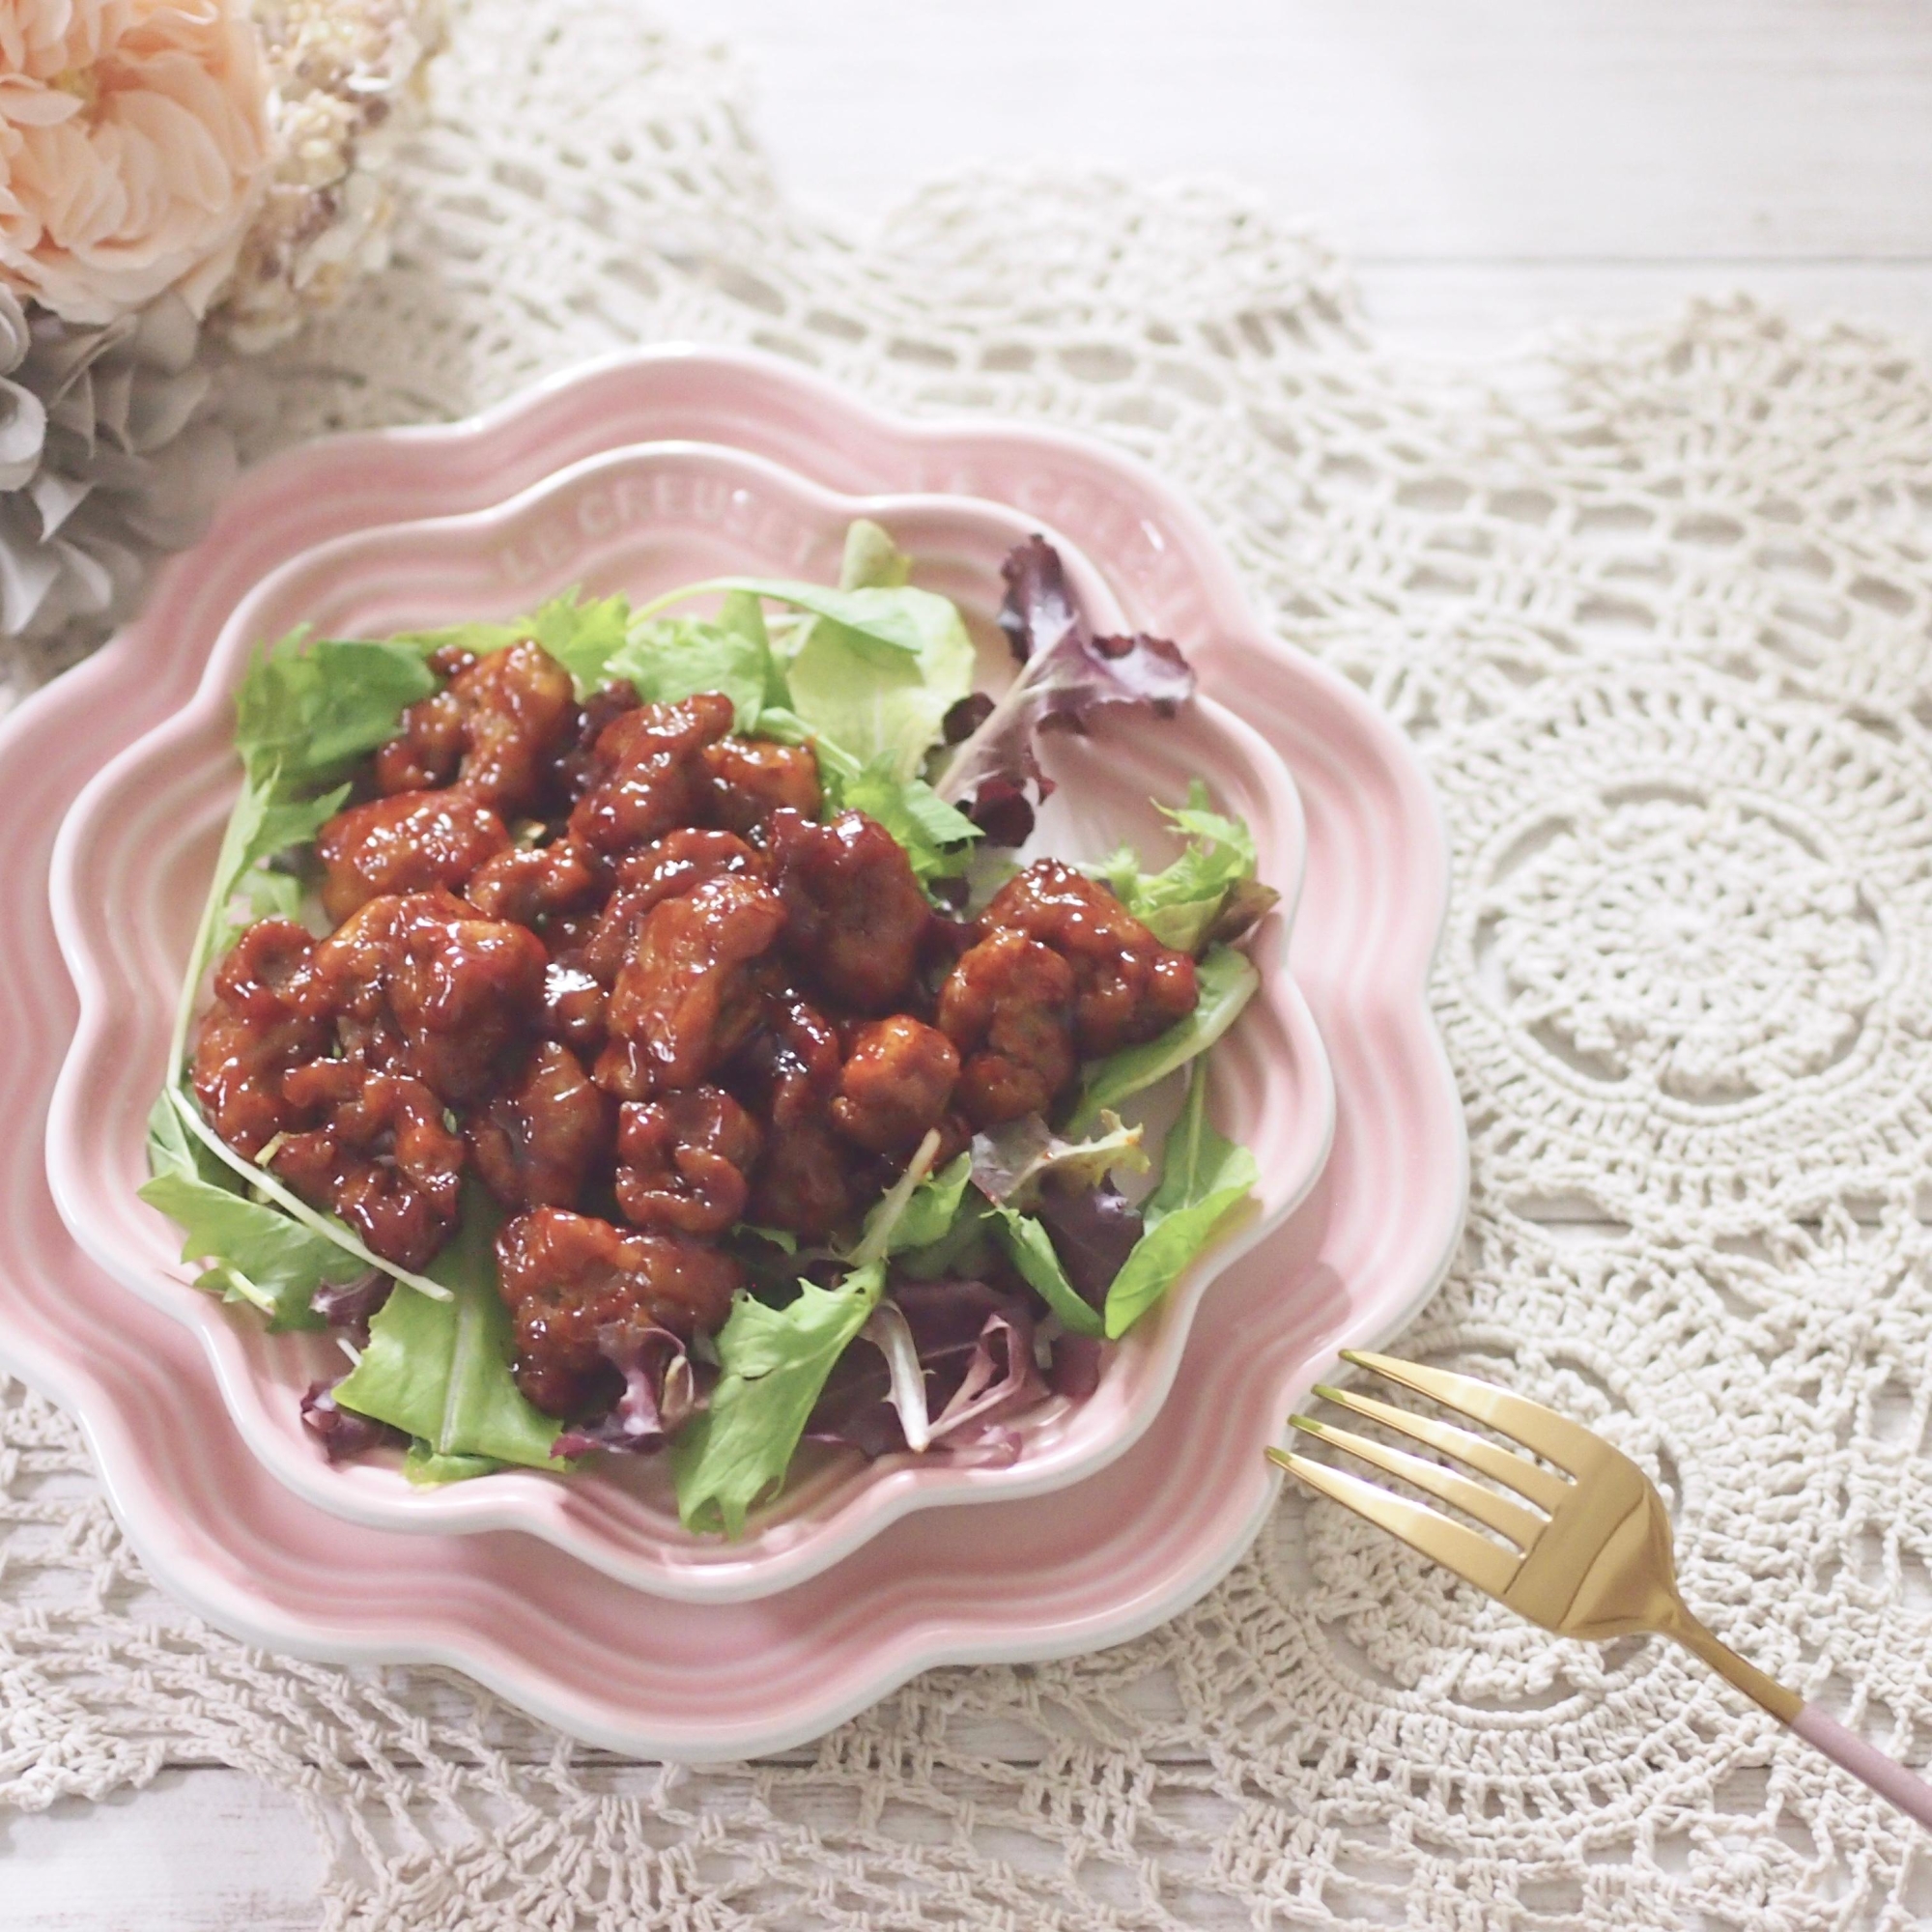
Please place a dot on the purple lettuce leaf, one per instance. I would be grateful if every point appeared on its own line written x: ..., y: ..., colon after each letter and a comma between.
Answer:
x: 1093, y: 1230
x: 953, y: 1359
x: 659, y: 1393
x: 349, y: 1305
x: 341, y: 1431
x: 1074, y: 1371
x: 1066, y: 676
x: 1013, y: 1162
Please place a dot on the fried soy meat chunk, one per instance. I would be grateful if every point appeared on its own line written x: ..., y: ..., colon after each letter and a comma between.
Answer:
x: 264, y: 1021
x: 648, y: 772
x: 537, y: 1141
x: 1008, y: 1006
x: 896, y: 1084
x: 666, y: 868
x: 379, y: 1154
x: 578, y: 1286
x: 684, y: 1162
x: 530, y: 883
x: 855, y: 916
x: 789, y: 1067
x: 1128, y: 986
x: 409, y: 843
x: 688, y: 997
x: 425, y: 985
x: 577, y: 768
x: 496, y: 730
x: 745, y: 782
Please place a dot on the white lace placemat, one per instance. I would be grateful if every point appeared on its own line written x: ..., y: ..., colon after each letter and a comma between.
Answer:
x: 1656, y: 609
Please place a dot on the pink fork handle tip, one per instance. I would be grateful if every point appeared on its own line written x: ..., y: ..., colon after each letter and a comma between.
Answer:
x: 1891, y: 1780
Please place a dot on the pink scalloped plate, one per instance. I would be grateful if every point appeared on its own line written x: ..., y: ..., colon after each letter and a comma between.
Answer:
x: 126, y: 875
x: 1037, y: 1577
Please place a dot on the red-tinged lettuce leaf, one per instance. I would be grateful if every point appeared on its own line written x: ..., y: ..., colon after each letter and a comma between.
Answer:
x: 350, y: 1305
x: 1076, y: 1367
x: 660, y: 1394
x: 1066, y: 676
x: 1014, y: 1161
x: 1094, y: 1230
x: 342, y: 1433
x: 949, y: 1361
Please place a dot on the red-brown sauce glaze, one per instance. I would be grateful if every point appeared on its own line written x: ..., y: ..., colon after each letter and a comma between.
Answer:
x: 608, y: 960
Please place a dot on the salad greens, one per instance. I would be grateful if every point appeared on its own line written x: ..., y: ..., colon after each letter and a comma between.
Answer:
x: 920, y: 1333
x: 1202, y: 1179
x: 256, y: 1253
x: 1190, y: 902
x: 775, y: 1363
x: 439, y: 1370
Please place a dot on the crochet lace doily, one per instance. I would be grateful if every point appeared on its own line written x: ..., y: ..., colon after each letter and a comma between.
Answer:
x: 1655, y: 607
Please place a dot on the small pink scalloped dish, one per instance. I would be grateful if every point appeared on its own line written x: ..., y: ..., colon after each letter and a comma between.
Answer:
x: 132, y: 862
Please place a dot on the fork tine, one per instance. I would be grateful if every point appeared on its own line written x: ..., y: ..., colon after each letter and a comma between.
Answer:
x: 1566, y: 1443
x: 1473, y: 1558
x: 1507, y: 1518
x: 1489, y: 1458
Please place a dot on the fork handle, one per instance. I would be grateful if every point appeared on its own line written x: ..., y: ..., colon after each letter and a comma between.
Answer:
x: 1845, y: 1749
x: 1869, y: 1766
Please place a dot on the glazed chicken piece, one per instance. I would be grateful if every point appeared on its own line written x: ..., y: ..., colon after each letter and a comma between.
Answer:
x: 687, y: 997
x: 377, y: 1154
x: 790, y: 1068
x: 855, y: 915
x: 650, y: 773
x: 424, y: 983
x: 263, y: 1021
x: 576, y: 1287
x: 666, y: 868
x: 538, y: 1139
x: 496, y: 730
x: 684, y: 1162
x: 529, y: 884
x: 408, y: 844
x: 1127, y: 985
x: 746, y: 781
x: 1007, y: 1006
x: 897, y: 1083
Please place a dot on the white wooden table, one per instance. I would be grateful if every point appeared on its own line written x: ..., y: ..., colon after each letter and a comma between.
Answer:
x: 1485, y: 166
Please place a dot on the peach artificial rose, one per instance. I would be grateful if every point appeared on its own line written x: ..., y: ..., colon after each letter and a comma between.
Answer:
x: 134, y: 142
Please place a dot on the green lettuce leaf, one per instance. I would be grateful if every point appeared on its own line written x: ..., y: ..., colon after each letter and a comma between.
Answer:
x: 937, y: 838
x: 666, y: 659
x: 1202, y: 1179
x: 774, y: 1362
x: 308, y: 709
x: 961, y: 1250
x: 581, y: 634
x: 923, y: 1217
x: 1030, y: 1249
x: 440, y: 1370
x: 264, y: 825
x: 1227, y: 983
x: 251, y: 1252
x: 889, y: 706
x: 1181, y: 904
x: 871, y: 559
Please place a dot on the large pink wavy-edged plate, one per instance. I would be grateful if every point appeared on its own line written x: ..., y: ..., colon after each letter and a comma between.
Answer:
x: 1035, y: 1579
x: 128, y: 876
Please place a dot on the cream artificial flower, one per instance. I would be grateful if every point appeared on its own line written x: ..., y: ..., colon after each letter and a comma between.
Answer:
x: 133, y: 144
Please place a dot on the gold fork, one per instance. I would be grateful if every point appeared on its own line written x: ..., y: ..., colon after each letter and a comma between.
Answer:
x: 1583, y: 1549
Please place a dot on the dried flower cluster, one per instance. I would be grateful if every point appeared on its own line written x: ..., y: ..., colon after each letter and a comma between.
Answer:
x: 163, y: 161
x: 347, y: 82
